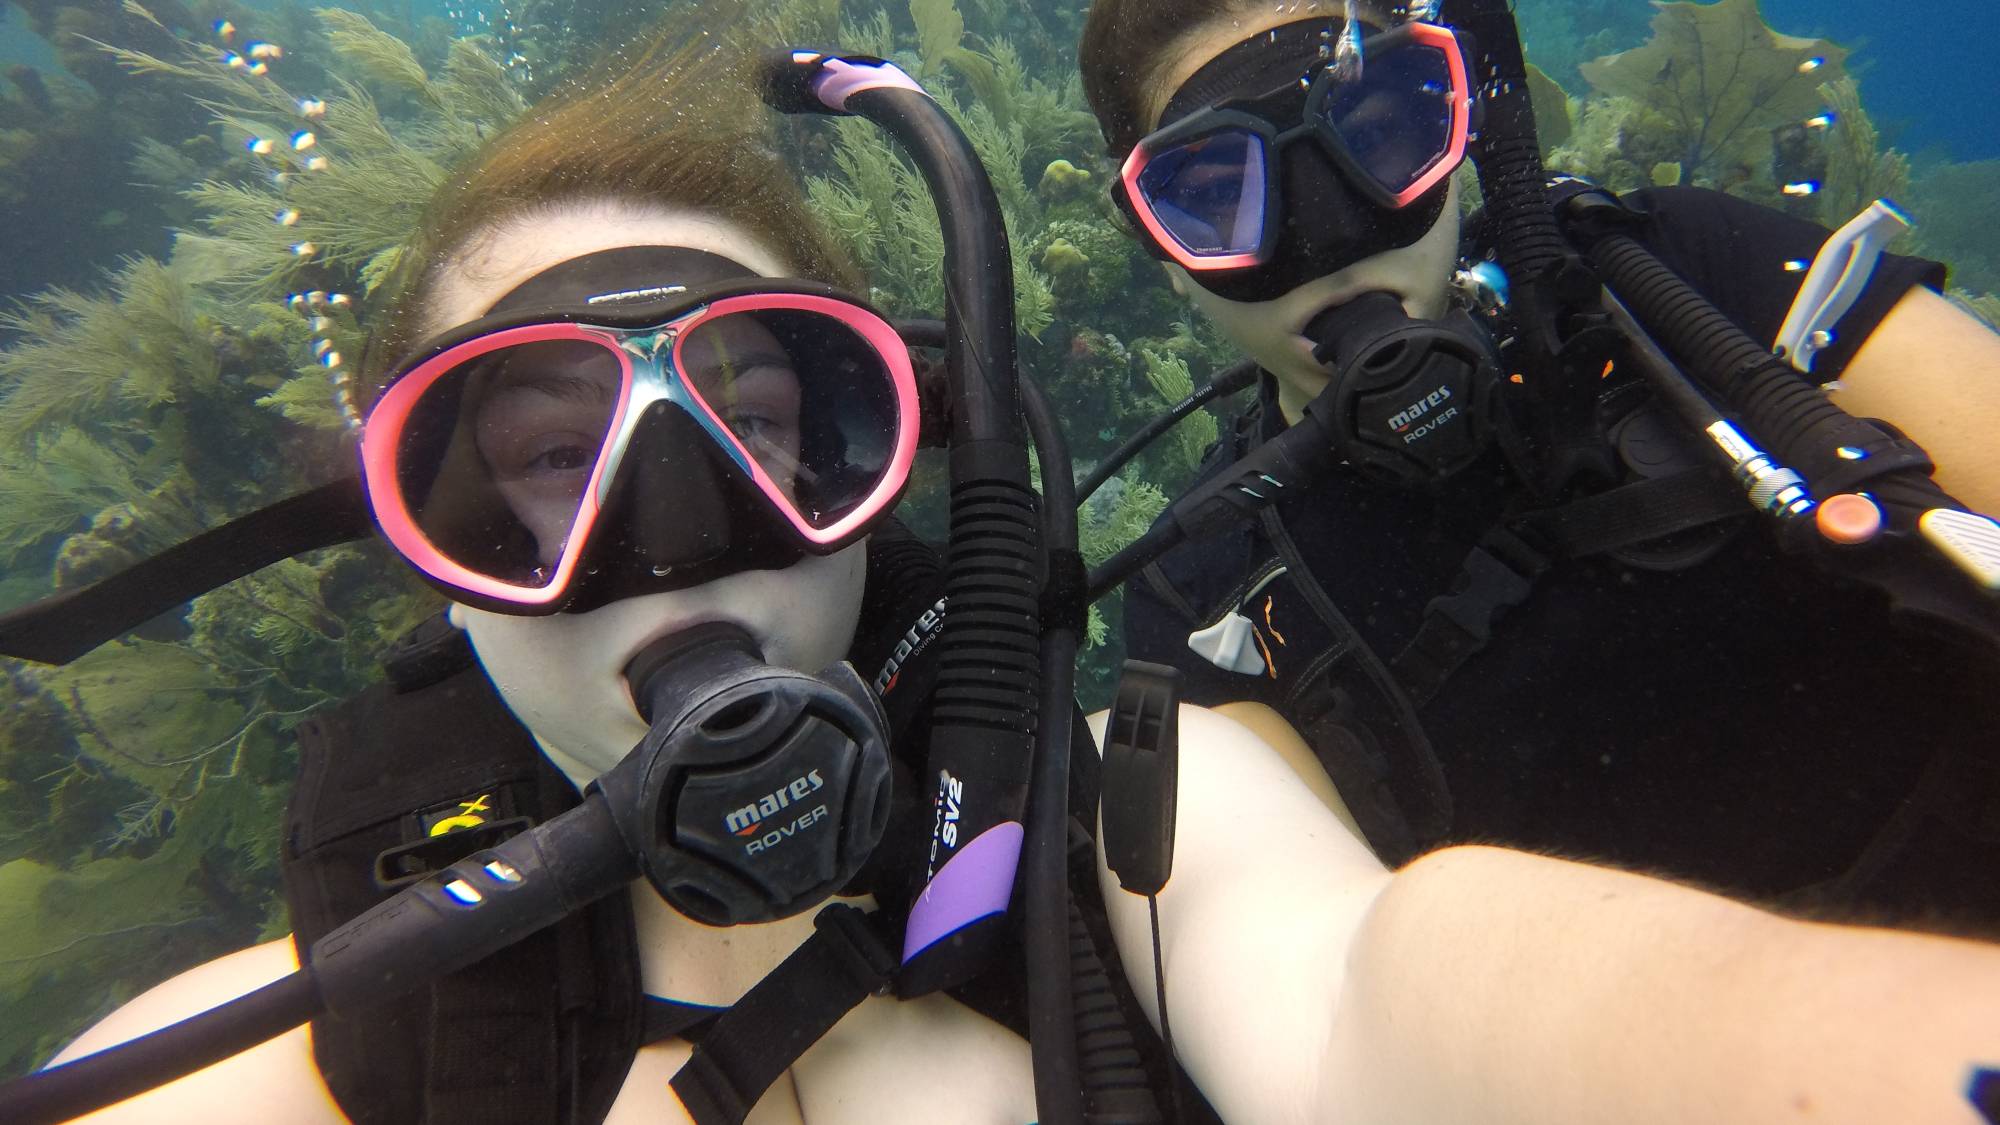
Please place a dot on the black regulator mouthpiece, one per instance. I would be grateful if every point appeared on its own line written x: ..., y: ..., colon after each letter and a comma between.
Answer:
x: 1410, y: 402
x: 759, y: 791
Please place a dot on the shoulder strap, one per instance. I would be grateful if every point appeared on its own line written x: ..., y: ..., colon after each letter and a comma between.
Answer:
x: 1502, y: 569
x: 846, y: 960
x: 1363, y: 726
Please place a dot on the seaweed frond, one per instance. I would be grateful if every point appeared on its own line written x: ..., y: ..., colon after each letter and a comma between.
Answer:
x: 1858, y: 169
x: 1719, y: 79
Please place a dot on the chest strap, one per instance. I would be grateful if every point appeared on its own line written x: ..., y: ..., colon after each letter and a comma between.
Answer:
x: 1501, y: 571
x: 1362, y: 725
x: 845, y: 961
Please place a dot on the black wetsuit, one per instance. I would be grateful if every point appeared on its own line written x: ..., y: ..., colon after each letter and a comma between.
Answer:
x: 1747, y: 721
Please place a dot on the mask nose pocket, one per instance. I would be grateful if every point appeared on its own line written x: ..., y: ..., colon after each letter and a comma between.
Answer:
x: 677, y: 501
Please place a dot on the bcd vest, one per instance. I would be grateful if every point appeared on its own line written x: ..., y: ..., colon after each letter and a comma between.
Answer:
x: 430, y: 766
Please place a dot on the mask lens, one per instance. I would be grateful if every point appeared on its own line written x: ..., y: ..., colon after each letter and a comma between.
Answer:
x: 802, y: 396
x: 497, y: 454
x: 1209, y: 193
x: 1396, y: 119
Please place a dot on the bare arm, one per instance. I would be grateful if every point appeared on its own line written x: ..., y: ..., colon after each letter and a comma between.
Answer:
x: 1508, y: 987
x: 274, y: 1081
x: 1934, y: 372
x: 1306, y: 984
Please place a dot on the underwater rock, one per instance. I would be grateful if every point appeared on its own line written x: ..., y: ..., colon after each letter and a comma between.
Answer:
x: 1063, y: 180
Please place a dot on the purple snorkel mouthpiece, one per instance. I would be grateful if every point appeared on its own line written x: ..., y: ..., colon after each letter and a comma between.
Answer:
x: 840, y: 79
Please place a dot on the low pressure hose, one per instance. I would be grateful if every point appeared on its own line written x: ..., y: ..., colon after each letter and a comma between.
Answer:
x: 1052, y: 1030
x: 1794, y: 418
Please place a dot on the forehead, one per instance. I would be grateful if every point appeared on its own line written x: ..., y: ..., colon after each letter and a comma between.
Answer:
x: 501, y: 256
x: 1198, y: 45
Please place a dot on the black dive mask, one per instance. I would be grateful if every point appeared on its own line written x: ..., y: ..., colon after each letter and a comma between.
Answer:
x: 759, y: 791
x: 1272, y: 168
x: 1411, y: 402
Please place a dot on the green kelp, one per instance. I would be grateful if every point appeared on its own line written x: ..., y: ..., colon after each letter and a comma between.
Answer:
x: 143, y: 784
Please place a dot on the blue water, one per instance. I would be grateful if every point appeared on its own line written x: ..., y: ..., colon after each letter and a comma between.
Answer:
x: 1929, y: 84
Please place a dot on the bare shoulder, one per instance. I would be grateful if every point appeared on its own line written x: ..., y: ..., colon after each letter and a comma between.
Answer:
x: 927, y: 1059
x: 1268, y: 889
x: 887, y: 1061
x: 243, y: 1088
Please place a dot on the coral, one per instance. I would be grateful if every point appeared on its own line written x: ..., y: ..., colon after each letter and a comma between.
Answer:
x: 1060, y: 260
x: 881, y: 206
x: 1096, y: 260
x: 1617, y: 143
x: 1719, y: 80
x: 1561, y: 34
x: 1171, y: 380
x: 1858, y: 169
x: 1986, y: 306
x: 1554, y: 114
x: 1062, y: 180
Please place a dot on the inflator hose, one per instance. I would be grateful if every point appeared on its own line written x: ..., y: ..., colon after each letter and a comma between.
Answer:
x: 1227, y: 382
x: 1794, y: 418
x: 133, y: 1067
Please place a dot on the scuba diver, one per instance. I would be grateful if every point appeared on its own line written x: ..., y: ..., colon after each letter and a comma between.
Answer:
x: 635, y: 246
x: 1519, y: 603
x: 651, y: 468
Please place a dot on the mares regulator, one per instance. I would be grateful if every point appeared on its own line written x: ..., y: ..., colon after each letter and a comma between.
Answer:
x: 737, y: 750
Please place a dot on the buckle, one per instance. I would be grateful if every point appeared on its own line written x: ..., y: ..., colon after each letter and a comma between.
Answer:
x: 848, y: 932
x: 1492, y: 585
x: 404, y: 864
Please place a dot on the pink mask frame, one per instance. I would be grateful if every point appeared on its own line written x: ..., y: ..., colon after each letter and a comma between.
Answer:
x: 642, y: 384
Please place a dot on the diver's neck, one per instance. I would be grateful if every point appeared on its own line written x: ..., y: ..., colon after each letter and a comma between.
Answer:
x: 1292, y: 400
x: 681, y: 959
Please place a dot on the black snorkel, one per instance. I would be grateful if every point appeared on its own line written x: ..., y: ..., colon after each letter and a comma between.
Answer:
x: 1014, y: 618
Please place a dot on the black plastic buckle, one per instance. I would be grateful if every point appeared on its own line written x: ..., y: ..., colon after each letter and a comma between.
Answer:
x: 406, y: 863
x: 1493, y: 584
x: 849, y: 932
x: 1141, y: 778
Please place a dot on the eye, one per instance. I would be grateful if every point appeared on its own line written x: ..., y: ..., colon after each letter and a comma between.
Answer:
x: 561, y: 458
x: 751, y: 425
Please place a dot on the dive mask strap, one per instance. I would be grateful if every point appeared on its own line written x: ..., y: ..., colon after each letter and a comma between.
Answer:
x: 60, y: 628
